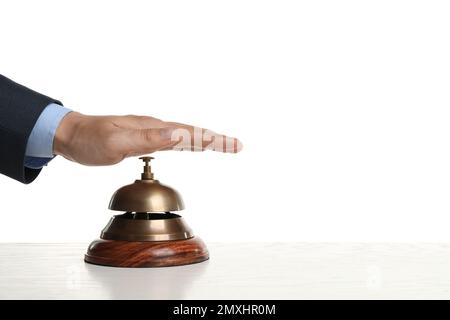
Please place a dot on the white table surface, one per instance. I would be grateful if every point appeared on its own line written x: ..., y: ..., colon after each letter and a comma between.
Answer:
x: 235, y: 271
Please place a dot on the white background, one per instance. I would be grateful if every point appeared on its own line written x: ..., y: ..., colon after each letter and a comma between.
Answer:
x: 342, y: 106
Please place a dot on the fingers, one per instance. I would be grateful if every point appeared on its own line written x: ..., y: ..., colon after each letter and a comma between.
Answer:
x: 192, y: 138
x: 143, y: 135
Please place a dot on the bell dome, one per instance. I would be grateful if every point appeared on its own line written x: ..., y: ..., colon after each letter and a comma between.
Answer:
x: 146, y: 195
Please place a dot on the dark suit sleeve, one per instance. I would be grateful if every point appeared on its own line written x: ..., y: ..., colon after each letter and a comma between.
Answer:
x: 20, y: 108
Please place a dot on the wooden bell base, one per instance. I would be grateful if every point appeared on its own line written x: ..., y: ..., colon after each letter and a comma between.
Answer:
x: 139, y: 254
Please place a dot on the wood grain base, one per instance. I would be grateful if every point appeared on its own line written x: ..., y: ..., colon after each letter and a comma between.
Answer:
x: 139, y: 254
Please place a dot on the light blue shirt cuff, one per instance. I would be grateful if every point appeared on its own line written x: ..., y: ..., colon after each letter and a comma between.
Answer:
x: 39, y: 149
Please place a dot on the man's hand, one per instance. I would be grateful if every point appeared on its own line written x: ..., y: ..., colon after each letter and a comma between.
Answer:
x: 106, y: 140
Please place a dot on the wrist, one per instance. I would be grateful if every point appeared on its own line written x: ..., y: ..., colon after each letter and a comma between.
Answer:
x: 65, y: 133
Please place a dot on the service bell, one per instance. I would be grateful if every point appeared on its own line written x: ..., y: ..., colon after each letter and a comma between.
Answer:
x: 148, y: 233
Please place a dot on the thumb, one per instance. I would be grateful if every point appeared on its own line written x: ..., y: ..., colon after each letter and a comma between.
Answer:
x: 149, y: 140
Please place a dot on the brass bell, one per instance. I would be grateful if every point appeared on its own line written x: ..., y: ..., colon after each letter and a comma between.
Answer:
x: 146, y: 195
x: 148, y: 233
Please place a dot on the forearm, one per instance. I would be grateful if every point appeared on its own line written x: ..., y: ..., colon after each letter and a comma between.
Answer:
x: 20, y: 109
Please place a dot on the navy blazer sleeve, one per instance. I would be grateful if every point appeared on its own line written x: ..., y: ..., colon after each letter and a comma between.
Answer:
x: 20, y: 109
